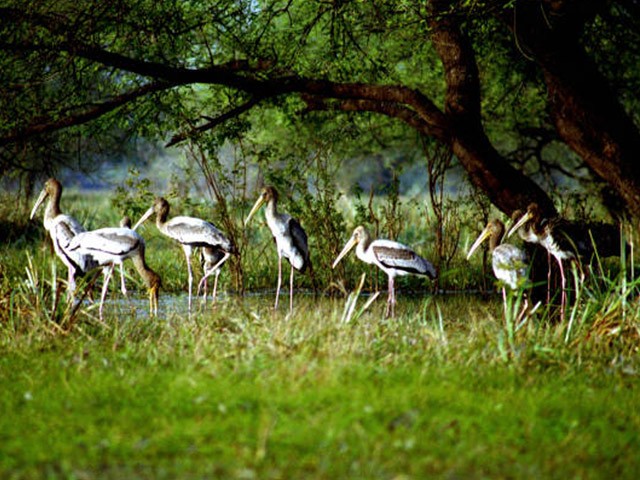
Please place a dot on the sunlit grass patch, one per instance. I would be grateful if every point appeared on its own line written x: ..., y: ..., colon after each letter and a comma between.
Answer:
x: 258, y: 393
x: 450, y: 387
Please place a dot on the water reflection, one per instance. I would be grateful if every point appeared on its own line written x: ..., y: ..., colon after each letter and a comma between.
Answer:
x: 259, y: 302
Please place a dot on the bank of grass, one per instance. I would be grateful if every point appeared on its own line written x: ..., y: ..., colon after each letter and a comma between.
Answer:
x: 242, y: 392
x: 450, y: 388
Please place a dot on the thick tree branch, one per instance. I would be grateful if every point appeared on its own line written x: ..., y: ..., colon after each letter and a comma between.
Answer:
x: 585, y: 110
x: 390, y: 109
x: 507, y: 188
x: 85, y: 114
x: 214, y: 122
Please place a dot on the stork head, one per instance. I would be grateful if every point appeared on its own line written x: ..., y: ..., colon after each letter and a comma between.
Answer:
x: 493, y: 230
x: 53, y: 188
x: 360, y: 234
x: 268, y: 194
x: 160, y: 208
x: 520, y: 219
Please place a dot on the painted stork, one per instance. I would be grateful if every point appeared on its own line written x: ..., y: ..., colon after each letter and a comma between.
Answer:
x: 189, y: 232
x: 291, y: 239
x: 111, y: 246
x: 509, y: 263
x: 210, y: 259
x: 124, y: 223
x: 566, y: 240
x: 554, y: 235
x: 530, y: 229
x: 62, y: 228
x: 393, y: 258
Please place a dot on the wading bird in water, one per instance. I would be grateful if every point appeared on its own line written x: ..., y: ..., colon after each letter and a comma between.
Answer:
x: 62, y: 228
x: 210, y: 259
x: 567, y: 240
x: 124, y: 223
x: 291, y: 239
x: 393, y: 258
x: 111, y: 246
x: 190, y: 233
x: 508, y: 262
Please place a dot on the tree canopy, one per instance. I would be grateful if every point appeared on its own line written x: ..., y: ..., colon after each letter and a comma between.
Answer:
x: 505, y: 85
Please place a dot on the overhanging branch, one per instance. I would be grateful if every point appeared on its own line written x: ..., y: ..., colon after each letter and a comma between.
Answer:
x: 390, y: 109
x: 213, y: 122
x: 83, y: 116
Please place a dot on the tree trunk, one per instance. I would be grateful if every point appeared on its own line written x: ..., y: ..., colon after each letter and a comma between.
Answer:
x: 586, y: 112
x: 507, y: 188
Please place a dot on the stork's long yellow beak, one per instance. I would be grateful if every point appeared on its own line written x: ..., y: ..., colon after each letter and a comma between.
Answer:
x: 43, y: 195
x: 486, y: 233
x: 350, y: 244
x: 523, y: 219
x: 254, y: 209
x: 144, y: 217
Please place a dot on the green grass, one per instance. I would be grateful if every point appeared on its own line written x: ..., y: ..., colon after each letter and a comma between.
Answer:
x: 450, y: 388
x: 241, y: 392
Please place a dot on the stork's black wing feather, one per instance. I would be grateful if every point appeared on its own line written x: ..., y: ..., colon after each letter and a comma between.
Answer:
x: 300, y: 241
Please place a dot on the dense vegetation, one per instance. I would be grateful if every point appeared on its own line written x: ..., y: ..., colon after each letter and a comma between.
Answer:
x: 497, y: 84
x: 373, y: 113
x: 451, y: 386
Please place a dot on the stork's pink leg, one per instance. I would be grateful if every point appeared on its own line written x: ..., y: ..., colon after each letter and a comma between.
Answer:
x: 279, y: 280
x: 106, y: 271
x: 504, y: 301
x: 215, y: 287
x: 391, y: 299
x: 71, y: 280
x: 563, y: 296
x: 123, y: 287
x: 548, y: 277
x: 187, y: 253
x: 204, y: 285
x: 291, y: 291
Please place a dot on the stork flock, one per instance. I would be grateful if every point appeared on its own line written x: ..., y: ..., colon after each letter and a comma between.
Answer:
x: 563, y: 240
x: 82, y: 251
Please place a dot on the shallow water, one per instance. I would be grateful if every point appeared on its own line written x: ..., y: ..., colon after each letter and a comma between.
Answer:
x: 172, y: 305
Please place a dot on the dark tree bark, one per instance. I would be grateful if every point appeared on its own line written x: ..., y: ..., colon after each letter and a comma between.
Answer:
x: 507, y: 188
x: 585, y: 110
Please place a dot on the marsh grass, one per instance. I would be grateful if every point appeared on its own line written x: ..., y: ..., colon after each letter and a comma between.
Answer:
x: 241, y: 391
x: 452, y: 387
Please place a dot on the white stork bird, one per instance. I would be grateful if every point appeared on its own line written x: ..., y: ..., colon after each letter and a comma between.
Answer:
x: 111, y: 246
x: 62, y: 228
x: 566, y: 240
x: 210, y: 258
x: 509, y: 263
x: 190, y: 232
x: 393, y: 258
x: 290, y: 237
x: 124, y: 223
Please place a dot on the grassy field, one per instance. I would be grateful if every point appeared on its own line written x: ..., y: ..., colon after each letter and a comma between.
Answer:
x: 451, y: 388
x: 242, y: 392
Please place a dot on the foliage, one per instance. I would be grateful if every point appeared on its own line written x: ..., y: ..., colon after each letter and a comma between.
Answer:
x: 76, y: 88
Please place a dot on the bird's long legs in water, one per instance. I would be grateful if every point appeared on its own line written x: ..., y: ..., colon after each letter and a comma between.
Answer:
x: 391, y: 300
x: 203, y: 281
x: 187, y: 253
x: 279, y: 280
